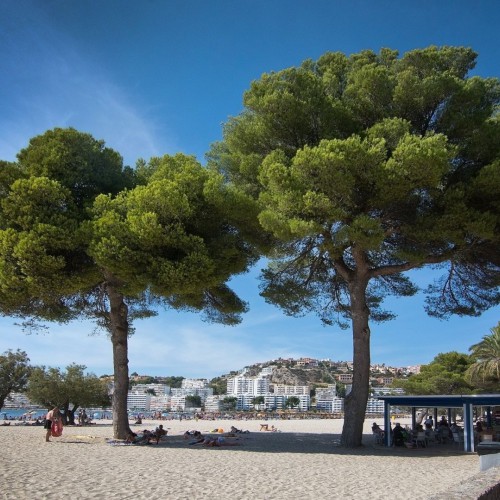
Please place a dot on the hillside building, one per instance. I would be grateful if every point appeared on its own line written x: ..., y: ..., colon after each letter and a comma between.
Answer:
x: 194, y: 383
x: 291, y: 390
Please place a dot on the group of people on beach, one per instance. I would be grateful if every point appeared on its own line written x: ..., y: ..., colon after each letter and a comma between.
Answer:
x: 220, y: 438
x: 146, y: 436
x: 441, y: 432
x: 54, y: 425
x: 83, y: 418
x: 215, y: 440
x: 265, y: 427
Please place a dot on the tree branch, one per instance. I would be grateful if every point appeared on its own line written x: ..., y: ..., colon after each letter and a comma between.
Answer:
x: 406, y: 266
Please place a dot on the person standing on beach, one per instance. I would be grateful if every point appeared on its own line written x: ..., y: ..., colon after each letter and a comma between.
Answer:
x: 53, y: 416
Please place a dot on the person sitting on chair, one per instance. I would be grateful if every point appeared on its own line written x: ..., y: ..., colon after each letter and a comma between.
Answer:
x: 399, y: 435
x: 443, y: 422
x: 159, y: 433
x: 377, y: 430
x: 429, y: 422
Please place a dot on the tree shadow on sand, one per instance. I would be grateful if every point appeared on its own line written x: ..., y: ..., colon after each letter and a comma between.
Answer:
x: 306, y: 443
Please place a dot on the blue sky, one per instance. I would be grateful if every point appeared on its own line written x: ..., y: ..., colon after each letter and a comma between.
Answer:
x: 155, y: 77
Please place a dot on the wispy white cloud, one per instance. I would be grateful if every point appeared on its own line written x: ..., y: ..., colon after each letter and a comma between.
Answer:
x: 187, y: 347
x: 48, y: 82
x: 60, y: 345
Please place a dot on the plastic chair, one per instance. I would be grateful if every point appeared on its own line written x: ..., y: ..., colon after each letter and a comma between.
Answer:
x: 379, y: 437
x: 421, y: 440
x: 431, y: 437
x: 458, y: 438
x: 443, y: 434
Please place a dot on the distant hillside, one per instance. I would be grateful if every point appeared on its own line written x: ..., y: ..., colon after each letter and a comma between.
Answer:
x: 288, y: 372
x: 285, y: 371
x: 299, y: 372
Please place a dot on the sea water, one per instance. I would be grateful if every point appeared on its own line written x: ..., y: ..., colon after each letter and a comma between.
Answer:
x: 25, y: 414
x: 19, y: 413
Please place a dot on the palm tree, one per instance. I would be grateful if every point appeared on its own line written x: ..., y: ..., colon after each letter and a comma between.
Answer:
x: 230, y: 402
x: 292, y: 402
x: 258, y: 401
x: 485, y: 371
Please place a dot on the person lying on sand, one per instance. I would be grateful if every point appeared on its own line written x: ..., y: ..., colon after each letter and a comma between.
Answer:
x: 195, y: 434
x: 198, y: 440
x: 265, y: 427
x: 235, y: 430
x: 131, y: 437
x: 219, y: 441
x: 144, y: 438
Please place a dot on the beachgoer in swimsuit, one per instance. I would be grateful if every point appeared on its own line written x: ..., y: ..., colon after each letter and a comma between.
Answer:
x: 52, y: 416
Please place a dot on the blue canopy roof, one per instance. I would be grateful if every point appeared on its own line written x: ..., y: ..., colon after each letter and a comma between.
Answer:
x: 465, y: 401
x: 444, y: 401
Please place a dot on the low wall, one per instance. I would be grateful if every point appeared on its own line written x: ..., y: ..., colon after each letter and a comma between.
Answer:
x: 492, y: 493
x: 488, y: 461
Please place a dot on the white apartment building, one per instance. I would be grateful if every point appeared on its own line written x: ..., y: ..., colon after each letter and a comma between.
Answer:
x: 178, y: 403
x: 261, y: 386
x: 244, y: 402
x: 375, y: 406
x: 193, y: 391
x: 158, y: 389
x: 292, y: 390
x: 304, y: 401
x: 330, y: 390
x: 160, y: 403
x: 241, y: 384
x: 245, y: 389
x: 268, y: 370
x: 327, y: 400
x: 214, y: 403
x: 278, y: 401
x: 138, y: 401
x: 16, y: 400
x: 387, y: 391
x: 140, y: 395
x: 274, y: 401
x: 330, y: 404
x: 194, y: 383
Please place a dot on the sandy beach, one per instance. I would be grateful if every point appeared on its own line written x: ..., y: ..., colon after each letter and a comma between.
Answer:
x: 302, y: 461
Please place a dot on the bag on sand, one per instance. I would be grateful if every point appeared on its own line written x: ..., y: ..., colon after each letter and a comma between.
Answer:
x: 56, y: 429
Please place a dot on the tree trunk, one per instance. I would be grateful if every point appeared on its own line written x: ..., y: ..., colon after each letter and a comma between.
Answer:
x: 119, y: 337
x: 355, y: 402
x: 64, y: 409
x: 70, y: 414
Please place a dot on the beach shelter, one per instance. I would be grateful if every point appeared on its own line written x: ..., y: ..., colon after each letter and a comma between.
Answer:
x: 465, y: 402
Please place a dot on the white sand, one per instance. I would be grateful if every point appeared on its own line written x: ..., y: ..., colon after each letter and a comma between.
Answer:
x: 301, y: 461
